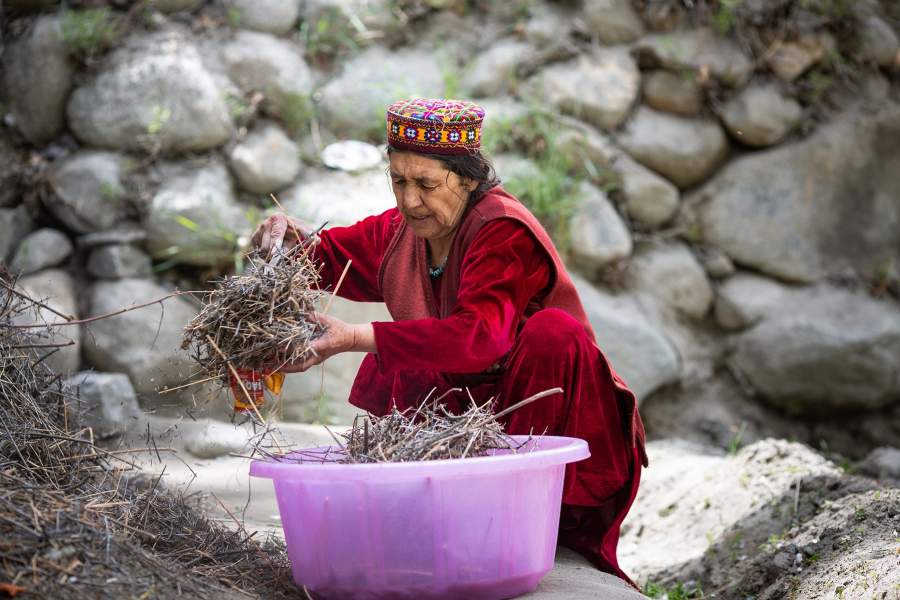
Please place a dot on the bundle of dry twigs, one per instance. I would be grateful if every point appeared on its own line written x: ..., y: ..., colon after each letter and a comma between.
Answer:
x: 75, y: 519
x: 259, y: 319
x: 430, y: 432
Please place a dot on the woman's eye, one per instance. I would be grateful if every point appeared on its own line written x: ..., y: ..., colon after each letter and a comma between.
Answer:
x: 399, y: 182
x: 430, y: 187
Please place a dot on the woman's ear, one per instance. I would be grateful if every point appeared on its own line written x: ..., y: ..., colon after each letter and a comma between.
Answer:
x: 469, y: 184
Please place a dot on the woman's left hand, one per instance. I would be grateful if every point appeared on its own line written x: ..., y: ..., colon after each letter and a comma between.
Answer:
x: 338, y: 337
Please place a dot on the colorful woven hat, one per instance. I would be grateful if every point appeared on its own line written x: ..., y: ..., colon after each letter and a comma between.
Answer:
x: 435, y: 126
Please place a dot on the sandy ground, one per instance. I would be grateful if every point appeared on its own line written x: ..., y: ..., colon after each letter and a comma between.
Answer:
x: 226, y: 479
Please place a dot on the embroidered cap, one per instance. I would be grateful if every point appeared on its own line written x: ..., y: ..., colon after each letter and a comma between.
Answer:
x: 435, y: 126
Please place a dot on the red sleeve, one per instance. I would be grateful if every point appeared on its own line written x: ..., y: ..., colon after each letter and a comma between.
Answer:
x: 504, y: 268
x: 365, y: 244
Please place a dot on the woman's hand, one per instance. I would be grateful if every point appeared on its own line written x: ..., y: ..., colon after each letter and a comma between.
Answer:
x: 338, y: 337
x: 279, y: 231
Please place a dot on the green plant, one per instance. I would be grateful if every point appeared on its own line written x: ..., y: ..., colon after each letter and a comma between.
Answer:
x: 329, y: 36
x: 110, y: 191
x: 161, y: 116
x: 233, y: 16
x: 735, y: 444
x: 724, y: 19
x: 680, y: 591
x: 89, y: 31
x: 296, y: 111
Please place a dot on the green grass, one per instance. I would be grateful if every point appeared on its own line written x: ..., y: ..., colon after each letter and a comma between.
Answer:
x: 296, y: 111
x: 330, y: 36
x: 90, y: 31
x: 677, y: 592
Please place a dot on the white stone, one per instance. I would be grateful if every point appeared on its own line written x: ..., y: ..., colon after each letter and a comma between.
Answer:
x: 347, y: 198
x: 670, y: 92
x: 613, y: 21
x: 106, y: 402
x: 649, y: 199
x: 266, y: 160
x: 56, y: 289
x: 761, y: 115
x: 744, y: 299
x: 352, y: 156
x: 271, y: 16
x: 89, y: 194
x: 41, y: 249
x: 598, y: 235
x: 674, y: 278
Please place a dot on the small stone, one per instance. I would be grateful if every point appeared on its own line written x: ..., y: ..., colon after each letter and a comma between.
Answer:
x: 271, y: 16
x: 880, y: 43
x: 56, y: 289
x: 649, y: 199
x: 217, y: 439
x: 883, y: 463
x: 698, y: 50
x: 672, y: 275
x: 123, y: 234
x: 41, y: 249
x: 673, y: 93
x: 791, y: 59
x: 598, y: 235
x: 352, y: 156
x: 761, y: 116
x: 493, y: 72
x: 717, y: 264
x: 266, y: 160
x: 88, y: 193
x: 744, y: 299
x: 118, y: 261
x: 15, y: 224
x: 106, y: 402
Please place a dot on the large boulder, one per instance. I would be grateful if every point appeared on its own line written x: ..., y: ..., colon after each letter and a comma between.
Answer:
x: 194, y: 217
x: 106, y: 402
x: 154, y: 93
x: 649, y: 199
x: 674, y: 278
x: 599, y: 87
x: 145, y: 343
x: 696, y: 49
x: 637, y: 350
x: 271, y: 16
x: 791, y: 211
x: 686, y: 151
x: 41, y: 249
x: 760, y: 115
x: 88, y: 192
x: 823, y: 350
x: 260, y: 62
x: 37, y: 80
x: 744, y: 299
x: 265, y: 161
x: 15, y: 224
x: 350, y: 198
x: 880, y: 43
x: 670, y: 92
x: 56, y: 289
x: 494, y: 71
x: 353, y: 104
x: 613, y: 21
x: 597, y: 234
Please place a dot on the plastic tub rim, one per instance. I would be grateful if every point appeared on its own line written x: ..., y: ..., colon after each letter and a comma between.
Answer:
x: 565, y: 450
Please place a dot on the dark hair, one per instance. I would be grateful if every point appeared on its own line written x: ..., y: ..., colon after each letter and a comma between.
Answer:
x: 475, y: 166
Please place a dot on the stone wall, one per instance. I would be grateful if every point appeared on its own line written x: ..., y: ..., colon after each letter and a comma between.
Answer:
x: 727, y: 196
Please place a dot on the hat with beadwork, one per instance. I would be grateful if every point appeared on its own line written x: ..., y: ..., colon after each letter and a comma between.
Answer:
x: 435, y: 126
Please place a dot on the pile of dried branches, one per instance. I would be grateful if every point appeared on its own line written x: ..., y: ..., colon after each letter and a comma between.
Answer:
x: 76, y: 521
x: 258, y: 319
x: 430, y: 432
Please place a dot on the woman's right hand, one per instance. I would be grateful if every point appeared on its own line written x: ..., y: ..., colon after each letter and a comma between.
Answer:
x: 279, y: 231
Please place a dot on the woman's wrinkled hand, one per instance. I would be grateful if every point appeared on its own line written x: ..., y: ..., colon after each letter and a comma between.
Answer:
x: 338, y: 337
x: 279, y: 231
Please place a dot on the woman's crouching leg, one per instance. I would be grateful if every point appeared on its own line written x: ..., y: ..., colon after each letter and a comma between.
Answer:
x: 554, y: 350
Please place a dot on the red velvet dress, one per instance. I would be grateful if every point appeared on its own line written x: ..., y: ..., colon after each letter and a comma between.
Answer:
x: 504, y: 269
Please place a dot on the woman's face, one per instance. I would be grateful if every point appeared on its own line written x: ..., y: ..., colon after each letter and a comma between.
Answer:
x: 429, y: 196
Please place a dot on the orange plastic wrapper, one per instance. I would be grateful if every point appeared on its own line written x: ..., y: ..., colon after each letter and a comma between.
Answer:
x: 255, y: 381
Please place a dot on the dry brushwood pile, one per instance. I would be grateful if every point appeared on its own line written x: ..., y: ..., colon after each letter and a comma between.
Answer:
x: 258, y: 319
x: 77, y: 522
x: 428, y: 432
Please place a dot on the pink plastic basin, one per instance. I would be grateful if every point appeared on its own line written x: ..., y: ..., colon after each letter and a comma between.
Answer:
x: 473, y: 528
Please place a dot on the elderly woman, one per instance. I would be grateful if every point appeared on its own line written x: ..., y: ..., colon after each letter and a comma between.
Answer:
x: 482, y: 301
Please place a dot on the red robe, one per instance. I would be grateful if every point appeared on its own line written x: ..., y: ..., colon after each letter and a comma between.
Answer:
x: 493, y: 315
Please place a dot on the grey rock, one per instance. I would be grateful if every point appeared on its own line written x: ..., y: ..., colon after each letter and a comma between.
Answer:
x: 598, y: 235
x: 353, y: 104
x: 791, y: 59
x: 883, y: 463
x: 266, y: 160
x: 744, y: 299
x: 118, y: 261
x: 790, y: 211
x: 613, y: 21
x: 342, y: 18
x: 599, y: 87
x: 88, y: 191
x: 649, y: 199
x: 824, y: 350
x: 145, y: 344
x: 351, y: 197
x: 717, y: 263
x: 352, y: 156
x: 761, y: 115
x: 493, y: 72
x: 673, y: 277
x: 271, y: 16
x: 194, y: 217
x: 15, y: 224
x: 126, y: 233
x: 155, y: 93
x: 217, y: 439
x: 696, y: 49
x: 880, y: 43
x: 170, y: 6
x: 56, y: 289
x: 685, y: 151
x: 273, y: 66
x: 573, y: 577
x: 549, y: 25
x: 106, y: 402
x: 41, y: 249
x: 670, y: 92
x: 579, y: 142
x: 38, y: 78
x: 637, y: 349
x: 513, y: 169
x: 12, y: 161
